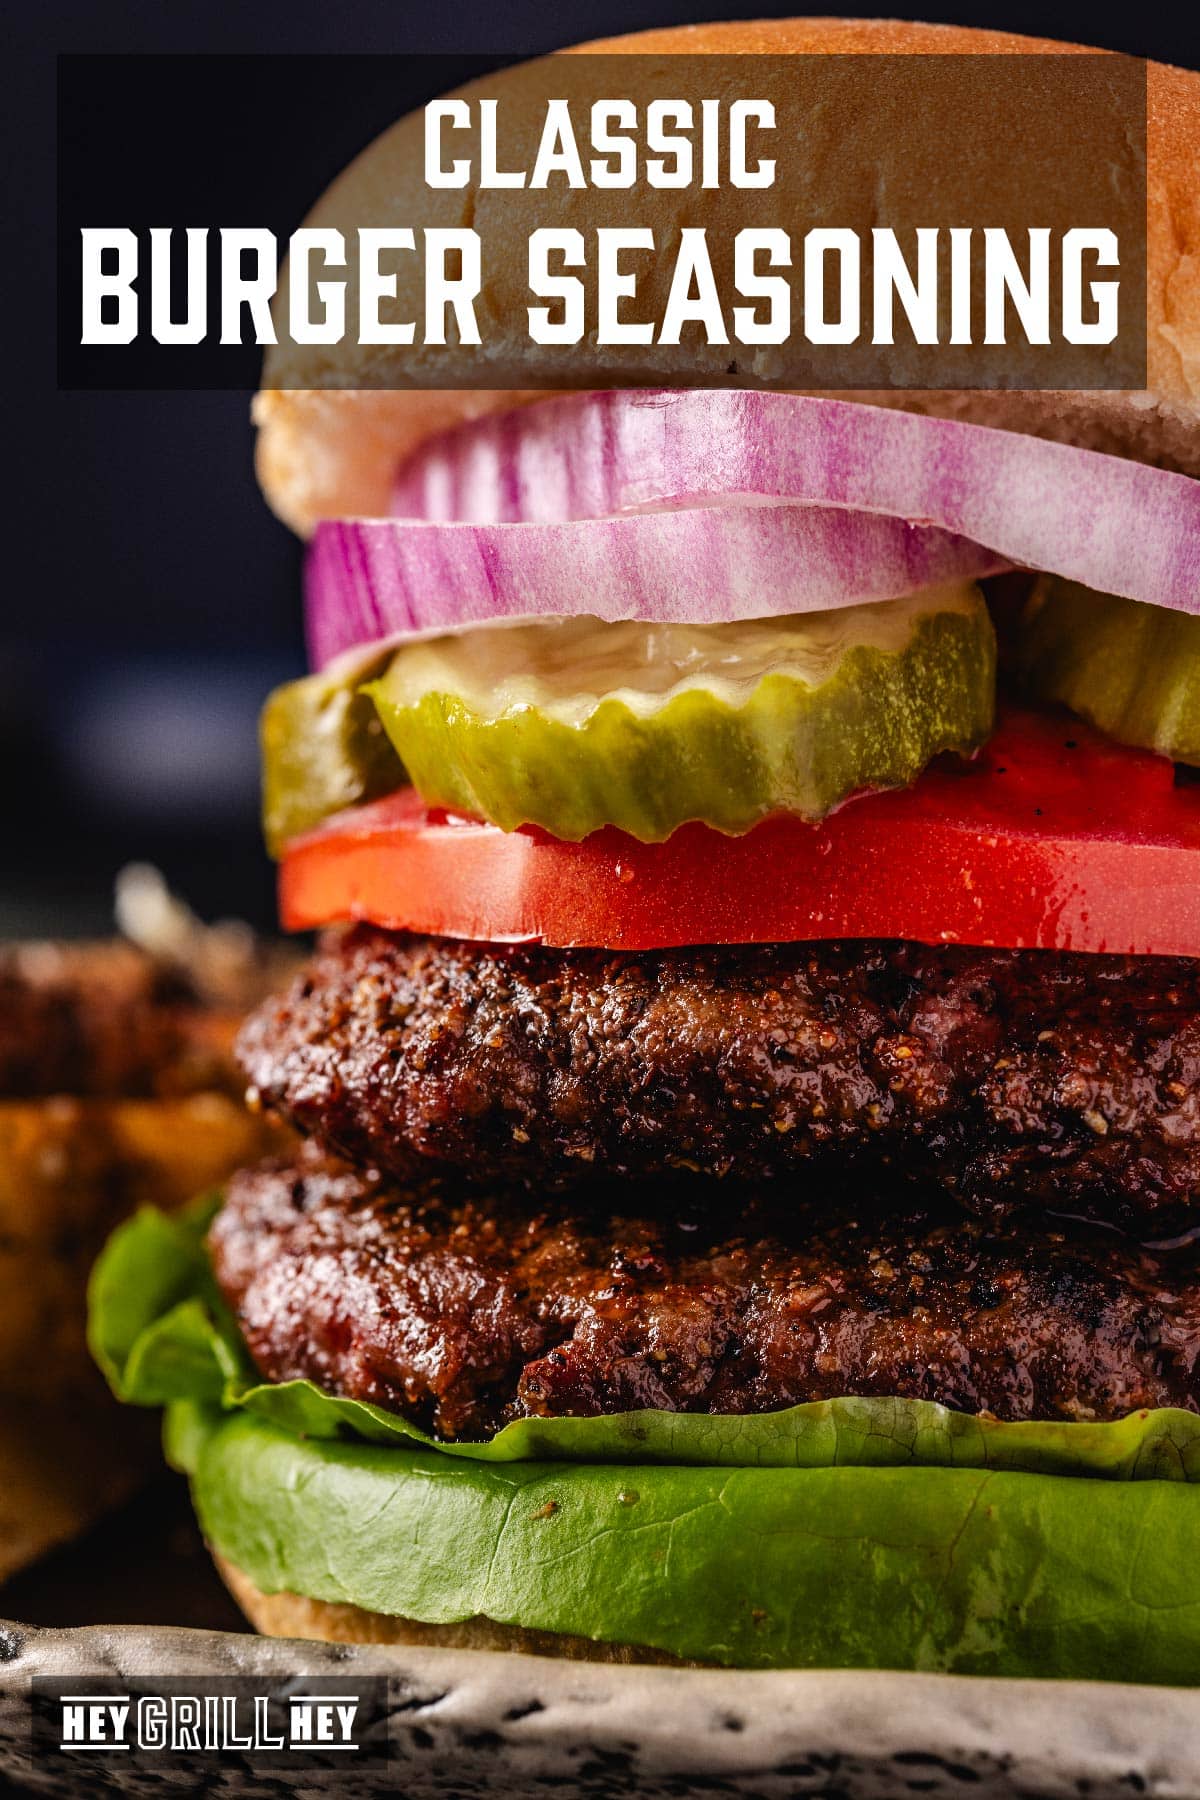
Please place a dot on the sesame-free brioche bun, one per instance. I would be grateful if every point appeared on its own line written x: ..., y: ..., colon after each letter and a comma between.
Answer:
x: 325, y: 450
x: 328, y: 1622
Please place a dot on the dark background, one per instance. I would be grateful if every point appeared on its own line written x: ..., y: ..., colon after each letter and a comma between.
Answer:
x: 150, y: 599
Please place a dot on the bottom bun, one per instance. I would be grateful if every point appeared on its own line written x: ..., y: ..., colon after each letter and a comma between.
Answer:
x: 294, y: 1616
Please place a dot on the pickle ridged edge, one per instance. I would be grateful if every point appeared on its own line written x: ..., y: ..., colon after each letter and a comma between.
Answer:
x: 875, y: 723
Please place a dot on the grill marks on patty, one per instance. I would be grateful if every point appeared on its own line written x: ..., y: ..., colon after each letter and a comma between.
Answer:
x: 1068, y: 1081
x: 463, y: 1311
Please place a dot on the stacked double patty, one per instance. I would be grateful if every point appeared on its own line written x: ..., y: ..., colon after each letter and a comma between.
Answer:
x: 554, y: 1182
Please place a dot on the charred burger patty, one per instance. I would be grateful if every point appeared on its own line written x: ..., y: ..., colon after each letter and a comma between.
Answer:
x: 473, y: 1261
x: 994, y: 1076
x: 463, y: 1312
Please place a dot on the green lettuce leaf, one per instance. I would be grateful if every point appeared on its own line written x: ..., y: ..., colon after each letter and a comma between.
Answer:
x: 161, y: 1333
x: 968, y: 1571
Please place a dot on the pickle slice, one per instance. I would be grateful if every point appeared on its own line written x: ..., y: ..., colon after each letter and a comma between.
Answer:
x: 323, y: 747
x: 1130, y: 669
x: 574, y: 723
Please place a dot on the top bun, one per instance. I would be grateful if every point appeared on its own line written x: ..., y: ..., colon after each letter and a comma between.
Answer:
x: 326, y: 450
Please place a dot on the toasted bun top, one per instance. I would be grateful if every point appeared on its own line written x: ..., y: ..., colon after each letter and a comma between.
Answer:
x: 325, y: 451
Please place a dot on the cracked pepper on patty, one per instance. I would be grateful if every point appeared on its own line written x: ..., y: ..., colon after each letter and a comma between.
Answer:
x: 1067, y: 1081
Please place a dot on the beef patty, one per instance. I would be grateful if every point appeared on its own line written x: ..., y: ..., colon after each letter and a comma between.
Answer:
x: 462, y: 1312
x: 1072, y: 1081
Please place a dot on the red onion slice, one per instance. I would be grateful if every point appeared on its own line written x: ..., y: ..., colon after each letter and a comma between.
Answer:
x: 1114, y: 525
x: 369, y: 580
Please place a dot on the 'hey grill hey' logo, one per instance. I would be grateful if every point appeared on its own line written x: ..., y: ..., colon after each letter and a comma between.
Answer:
x: 204, y: 1722
x: 258, y: 1722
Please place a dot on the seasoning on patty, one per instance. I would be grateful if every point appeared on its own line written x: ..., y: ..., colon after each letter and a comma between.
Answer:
x: 1068, y: 1081
x: 464, y: 1310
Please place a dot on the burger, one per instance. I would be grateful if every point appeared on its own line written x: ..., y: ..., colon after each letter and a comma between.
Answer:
x: 749, y: 1075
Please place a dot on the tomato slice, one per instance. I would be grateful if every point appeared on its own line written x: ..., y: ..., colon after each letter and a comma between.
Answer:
x: 1053, y: 837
